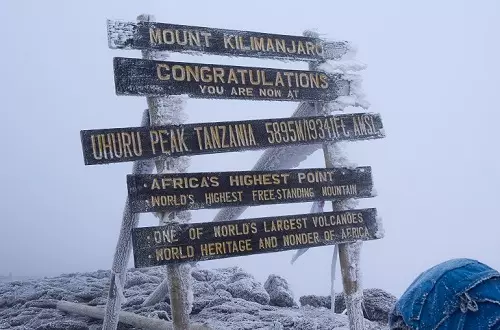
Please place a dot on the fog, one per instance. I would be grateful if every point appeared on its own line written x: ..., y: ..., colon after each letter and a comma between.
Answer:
x: 433, y: 75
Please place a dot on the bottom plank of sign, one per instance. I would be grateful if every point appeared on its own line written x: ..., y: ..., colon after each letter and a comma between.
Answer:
x: 364, y: 227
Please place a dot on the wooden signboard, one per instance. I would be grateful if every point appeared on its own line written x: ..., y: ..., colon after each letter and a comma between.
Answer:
x: 174, y: 242
x: 210, y: 81
x: 114, y: 145
x: 181, y: 191
x: 198, y: 39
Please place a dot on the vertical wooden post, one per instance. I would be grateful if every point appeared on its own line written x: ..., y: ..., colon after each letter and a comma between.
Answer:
x: 163, y: 111
x: 349, y: 267
x: 123, y: 249
x: 348, y: 253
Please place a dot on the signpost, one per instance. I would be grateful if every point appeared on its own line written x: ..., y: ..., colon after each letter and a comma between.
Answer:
x: 209, y: 81
x: 182, y: 191
x: 174, y: 243
x: 134, y: 143
x: 196, y: 39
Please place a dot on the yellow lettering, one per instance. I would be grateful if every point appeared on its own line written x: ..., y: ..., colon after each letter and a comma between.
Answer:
x: 155, y: 36
x: 161, y: 70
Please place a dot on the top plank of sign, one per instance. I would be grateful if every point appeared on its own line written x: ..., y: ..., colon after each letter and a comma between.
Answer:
x: 196, y: 39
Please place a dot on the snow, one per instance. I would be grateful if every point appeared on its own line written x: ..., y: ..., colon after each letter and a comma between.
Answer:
x: 218, y: 302
x: 119, y: 287
x: 341, y: 67
x: 345, y: 53
x: 349, y: 71
x: 119, y: 33
x: 336, y: 49
x: 380, y: 233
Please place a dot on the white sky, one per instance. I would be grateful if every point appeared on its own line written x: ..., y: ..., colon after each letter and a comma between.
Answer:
x: 433, y: 75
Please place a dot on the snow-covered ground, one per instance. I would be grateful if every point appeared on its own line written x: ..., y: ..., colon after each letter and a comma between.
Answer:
x: 226, y: 298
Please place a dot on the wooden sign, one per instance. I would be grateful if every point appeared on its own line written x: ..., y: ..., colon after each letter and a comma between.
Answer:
x: 133, y: 143
x: 181, y: 191
x: 174, y: 242
x: 197, y: 39
x: 159, y: 78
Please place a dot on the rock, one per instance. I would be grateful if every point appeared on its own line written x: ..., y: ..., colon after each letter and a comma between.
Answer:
x: 20, y: 320
x: 64, y: 325
x: 139, y: 278
x: 7, y: 300
x: 88, y: 295
x: 378, y: 304
x: 98, y: 301
x: 203, y: 288
x: 339, y: 303
x: 279, y: 291
x: 247, y: 288
x: 305, y: 324
x: 276, y: 326
x: 202, y: 275
x: 316, y: 301
x: 226, y: 298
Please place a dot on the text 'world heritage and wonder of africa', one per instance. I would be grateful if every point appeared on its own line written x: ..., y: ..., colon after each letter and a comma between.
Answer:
x: 213, y: 240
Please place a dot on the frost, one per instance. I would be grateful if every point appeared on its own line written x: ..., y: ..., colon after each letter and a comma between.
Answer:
x: 188, y: 288
x: 337, y: 157
x: 382, y: 131
x: 32, y: 305
x: 340, y: 50
x: 279, y: 291
x: 353, y: 253
x: 341, y: 67
x: 120, y: 33
x: 355, y: 98
x: 334, y: 49
x: 348, y: 71
x: 170, y: 110
x: 380, y: 233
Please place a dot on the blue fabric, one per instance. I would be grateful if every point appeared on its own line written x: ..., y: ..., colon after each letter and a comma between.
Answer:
x: 456, y: 294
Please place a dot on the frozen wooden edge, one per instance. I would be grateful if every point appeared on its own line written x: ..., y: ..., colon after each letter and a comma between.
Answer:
x: 129, y: 318
x: 121, y: 35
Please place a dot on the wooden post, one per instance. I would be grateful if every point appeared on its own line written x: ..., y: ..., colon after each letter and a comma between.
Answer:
x: 348, y: 253
x: 164, y: 111
x: 349, y: 266
x: 123, y: 249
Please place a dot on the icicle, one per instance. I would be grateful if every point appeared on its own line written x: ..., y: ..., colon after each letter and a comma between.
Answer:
x: 333, y: 271
x: 317, y: 207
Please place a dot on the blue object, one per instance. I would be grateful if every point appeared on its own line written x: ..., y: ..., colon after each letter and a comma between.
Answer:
x: 458, y: 294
